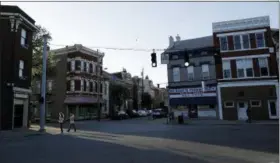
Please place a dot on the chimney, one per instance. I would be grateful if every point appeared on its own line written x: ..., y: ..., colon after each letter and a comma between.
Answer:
x: 178, y: 38
x: 171, y: 41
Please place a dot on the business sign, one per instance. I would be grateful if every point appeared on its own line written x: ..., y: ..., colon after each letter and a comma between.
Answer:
x: 192, y: 92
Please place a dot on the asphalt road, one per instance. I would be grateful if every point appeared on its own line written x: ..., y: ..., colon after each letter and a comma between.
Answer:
x: 146, y: 141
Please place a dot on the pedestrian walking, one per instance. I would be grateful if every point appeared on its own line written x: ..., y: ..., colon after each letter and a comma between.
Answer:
x: 72, y: 122
x: 249, y: 114
x: 61, y: 120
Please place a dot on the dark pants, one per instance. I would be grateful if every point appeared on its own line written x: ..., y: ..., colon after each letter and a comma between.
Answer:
x: 249, y: 119
x: 61, y: 127
x: 72, y: 125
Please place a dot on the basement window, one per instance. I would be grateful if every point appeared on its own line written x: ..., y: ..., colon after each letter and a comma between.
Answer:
x: 229, y: 104
x: 255, y: 103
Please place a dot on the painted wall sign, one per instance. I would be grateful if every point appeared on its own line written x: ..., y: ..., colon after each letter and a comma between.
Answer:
x: 192, y: 92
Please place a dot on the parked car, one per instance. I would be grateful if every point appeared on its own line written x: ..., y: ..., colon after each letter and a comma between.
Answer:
x: 149, y: 112
x: 159, y: 113
x: 120, y: 115
x: 132, y: 113
x: 142, y: 113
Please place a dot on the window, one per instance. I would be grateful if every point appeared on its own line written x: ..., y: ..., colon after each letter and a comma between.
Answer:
x: 260, y: 40
x: 50, y: 84
x: 237, y: 42
x: 205, y: 72
x: 90, y: 68
x: 190, y: 73
x: 226, y: 69
x: 176, y: 74
x: 21, y: 68
x: 68, y: 85
x: 78, y: 65
x: 228, y: 104
x: 95, y: 86
x: 246, y: 41
x: 105, y: 89
x: 72, y: 84
x: 87, y: 67
x: 68, y: 66
x: 23, y: 40
x: 255, y: 103
x: 223, y: 43
x: 91, y: 87
x: 73, y: 65
x: 244, y: 68
x: 263, y: 64
x: 77, y: 85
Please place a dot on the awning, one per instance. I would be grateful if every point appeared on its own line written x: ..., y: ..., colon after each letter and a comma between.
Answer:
x: 193, y: 101
x: 81, y: 100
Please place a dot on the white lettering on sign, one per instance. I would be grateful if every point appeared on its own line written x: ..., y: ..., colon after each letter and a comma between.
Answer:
x: 192, y: 95
x: 192, y: 90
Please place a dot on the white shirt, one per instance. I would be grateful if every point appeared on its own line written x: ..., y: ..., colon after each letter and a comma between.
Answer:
x: 72, y: 118
x: 61, y: 118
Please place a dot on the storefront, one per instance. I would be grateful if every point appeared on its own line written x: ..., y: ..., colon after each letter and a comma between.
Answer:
x: 201, y: 103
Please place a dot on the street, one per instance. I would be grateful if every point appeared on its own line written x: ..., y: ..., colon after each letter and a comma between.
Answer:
x: 142, y: 141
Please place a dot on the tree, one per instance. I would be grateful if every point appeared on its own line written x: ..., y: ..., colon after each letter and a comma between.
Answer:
x: 147, y: 100
x: 37, y: 56
x: 118, y: 93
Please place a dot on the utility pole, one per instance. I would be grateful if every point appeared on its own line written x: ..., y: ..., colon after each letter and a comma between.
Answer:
x: 142, y: 94
x: 43, y: 87
x: 99, y: 72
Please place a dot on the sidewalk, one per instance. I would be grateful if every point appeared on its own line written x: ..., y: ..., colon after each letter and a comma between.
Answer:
x: 18, y: 134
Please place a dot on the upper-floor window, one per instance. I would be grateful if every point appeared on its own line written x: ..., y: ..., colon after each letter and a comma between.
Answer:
x: 77, y: 65
x: 237, y: 42
x: 176, y: 74
x: 263, y: 64
x: 244, y: 68
x: 21, y: 68
x: 77, y: 85
x: 175, y: 57
x: 260, y: 41
x: 223, y: 43
x: 190, y: 73
x: 226, y: 69
x: 245, y: 41
x: 205, y: 72
x: 23, y: 39
x: 90, y: 68
x: 91, y: 86
x: 50, y: 85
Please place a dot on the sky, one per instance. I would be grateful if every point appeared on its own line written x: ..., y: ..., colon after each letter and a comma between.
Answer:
x: 139, y: 25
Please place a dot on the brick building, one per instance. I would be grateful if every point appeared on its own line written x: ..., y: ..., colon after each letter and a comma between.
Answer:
x: 16, y: 33
x: 248, y: 75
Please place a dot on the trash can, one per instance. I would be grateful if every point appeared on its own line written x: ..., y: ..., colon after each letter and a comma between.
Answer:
x: 180, y: 119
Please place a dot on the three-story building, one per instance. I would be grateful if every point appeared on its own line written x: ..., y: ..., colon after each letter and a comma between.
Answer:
x: 75, y: 83
x: 16, y: 33
x: 192, y: 87
x: 248, y: 75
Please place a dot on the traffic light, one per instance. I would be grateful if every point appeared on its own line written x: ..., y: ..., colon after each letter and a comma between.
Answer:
x: 186, y: 58
x: 158, y: 85
x: 154, y: 59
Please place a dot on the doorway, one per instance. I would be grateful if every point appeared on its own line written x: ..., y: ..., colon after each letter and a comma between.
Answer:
x: 18, y: 115
x: 272, y: 109
x: 241, y: 110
